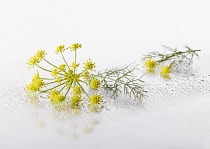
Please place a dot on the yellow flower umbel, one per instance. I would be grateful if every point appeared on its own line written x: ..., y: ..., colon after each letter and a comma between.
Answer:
x: 56, y: 97
x: 66, y: 84
x: 75, y: 46
x: 95, y: 83
x: 62, y: 67
x: 166, y: 72
x: 74, y: 65
x: 54, y: 72
x: 76, y: 97
x: 60, y: 49
x: 86, y: 75
x: 89, y: 65
x: 35, y: 85
x: 76, y: 77
x: 34, y: 60
x: 40, y: 54
x: 58, y: 79
x: 77, y: 90
x: 150, y: 65
x: 95, y: 100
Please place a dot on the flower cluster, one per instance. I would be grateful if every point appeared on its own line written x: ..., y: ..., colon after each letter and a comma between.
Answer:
x: 166, y: 72
x: 66, y: 84
x: 174, y: 60
x: 35, y: 86
x: 89, y: 65
x: 150, y: 65
x: 60, y: 49
x: 56, y: 97
x: 75, y: 46
x: 34, y: 60
x: 96, y: 100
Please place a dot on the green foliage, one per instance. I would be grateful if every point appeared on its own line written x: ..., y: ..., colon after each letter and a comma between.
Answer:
x: 123, y: 79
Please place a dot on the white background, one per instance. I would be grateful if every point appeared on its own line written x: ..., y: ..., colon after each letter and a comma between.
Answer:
x: 113, y: 33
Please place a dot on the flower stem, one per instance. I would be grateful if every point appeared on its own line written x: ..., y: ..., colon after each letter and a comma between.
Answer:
x: 62, y: 88
x: 49, y: 63
x: 75, y: 56
x: 47, y: 79
x: 83, y: 89
x: 68, y: 89
x: 52, y: 82
x: 83, y: 82
x: 43, y: 68
x: 54, y: 87
x: 75, y: 60
x: 64, y: 60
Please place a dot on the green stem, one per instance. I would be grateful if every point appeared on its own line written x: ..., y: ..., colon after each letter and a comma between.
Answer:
x: 52, y: 82
x: 117, y: 80
x: 196, y: 50
x: 43, y: 68
x: 124, y: 74
x: 68, y: 89
x: 46, y: 69
x: 75, y: 59
x: 53, y: 65
x: 143, y: 75
x: 75, y: 56
x: 62, y: 88
x: 54, y: 87
x: 83, y: 82
x: 47, y: 79
x: 65, y: 60
x: 169, y: 56
x: 83, y: 89
x: 49, y: 63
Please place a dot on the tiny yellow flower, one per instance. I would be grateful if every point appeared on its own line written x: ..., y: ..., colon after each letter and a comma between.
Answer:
x: 36, y: 84
x: 62, y: 67
x: 75, y: 46
x: 40, y: 54
x: 75, y: 101
x: 77, y: 90
x: 69, y: 73
x: 86, y: 75
x: 37, y: 58
x: 95, y: 83
x: 31, y: 88
x: 54, y: 72
x: 166, y: 72
x: 95, y: 100
x: 150, y: 65
x: 76, y: 77
x: 56, y: 97
x: 60, y: 49
x: 33, y: 61
x: 74, y: 65
x: 69, y: 76
x: 37, y: 80
x: 58, y: 79
x: 89, y: 65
